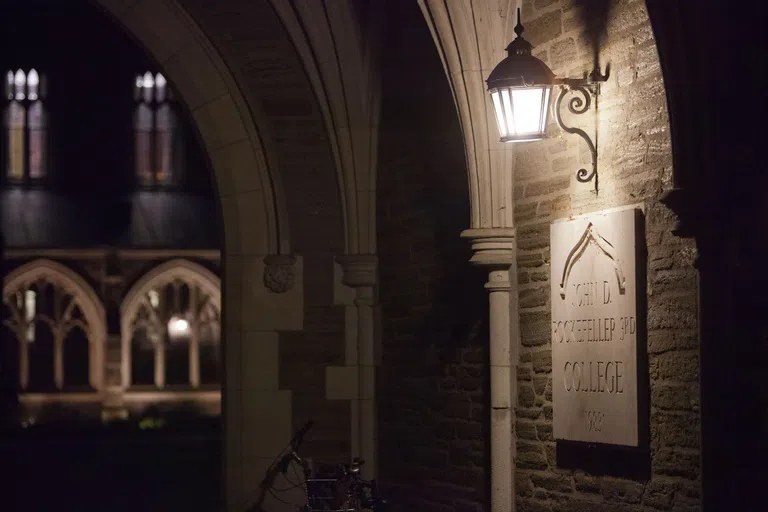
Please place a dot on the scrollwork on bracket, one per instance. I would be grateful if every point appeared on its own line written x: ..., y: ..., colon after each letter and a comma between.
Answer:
x: 586, y: 88
x: 279, y: 272
x: 579, y: 105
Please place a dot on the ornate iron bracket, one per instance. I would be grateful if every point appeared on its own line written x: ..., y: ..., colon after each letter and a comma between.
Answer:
x: 578, y: 105
x: 585, y: 88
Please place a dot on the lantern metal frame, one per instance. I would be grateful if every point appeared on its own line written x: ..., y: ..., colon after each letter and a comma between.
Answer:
x: 521, y: 69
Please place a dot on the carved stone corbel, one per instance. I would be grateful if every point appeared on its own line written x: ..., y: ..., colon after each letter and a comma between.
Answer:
x: 279, y: 273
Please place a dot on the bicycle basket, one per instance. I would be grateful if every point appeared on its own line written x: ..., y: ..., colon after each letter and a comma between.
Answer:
x: 323, y: 496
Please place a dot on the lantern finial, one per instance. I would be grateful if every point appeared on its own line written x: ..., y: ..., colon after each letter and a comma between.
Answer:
x: 519, y: 46
x: 519, y: 27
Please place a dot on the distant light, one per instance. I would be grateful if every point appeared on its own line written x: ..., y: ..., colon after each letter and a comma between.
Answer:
x: 154, y: 299
x: 178, y: 327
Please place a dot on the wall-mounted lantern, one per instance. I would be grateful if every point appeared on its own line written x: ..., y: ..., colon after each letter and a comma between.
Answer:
x: 521, y: 88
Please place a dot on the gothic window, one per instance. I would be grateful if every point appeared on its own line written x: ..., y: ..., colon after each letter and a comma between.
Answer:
x: 25, y: 127
x: 54, y: 326
x: 171, y: 322
x: 158, y: 144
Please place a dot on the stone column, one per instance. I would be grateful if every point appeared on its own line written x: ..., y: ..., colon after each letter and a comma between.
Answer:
x: 113, y: 404
x: 494, y: 249
x: 357, y: 380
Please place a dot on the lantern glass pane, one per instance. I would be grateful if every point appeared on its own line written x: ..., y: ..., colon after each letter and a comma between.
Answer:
x: 545, y: 109
x: 509, y: 114
x: 527, y: 105
x: 499, y: 113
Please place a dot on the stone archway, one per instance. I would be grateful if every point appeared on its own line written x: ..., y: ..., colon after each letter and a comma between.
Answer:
x: 186, y: 271
x: 512, y: 213
x: 83, y: 296
x: 257, y: 250
x: 247, y: 187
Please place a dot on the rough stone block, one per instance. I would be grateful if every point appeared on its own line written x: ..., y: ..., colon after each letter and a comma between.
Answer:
x: 666, y: 340
x: 542, y: 361
x: 525, y: 504
x: 658, y: 494
x: 545, y: 28
x: 681, y: 366
x: 531, y: 456
x: 540, y: 383
x: 523, y: 484
x: 625, y: 491
x: 673, y: 396
x: 553, y: 481
x: 564, y: 163
x: 544, y: 431
x: 526, y: 430
x: 534, y: 297
x: 673, y: 313
x: 535, y: 328
x: 562, y: 53
x: 541, y: 4
x: 534, y: 236
x: 525, y: 212
x: 676, y: 462
x: 675, y: 429
x: 548, y: 186
x: 525, y: 396
x: 586, y: 483
x: 529, y: 260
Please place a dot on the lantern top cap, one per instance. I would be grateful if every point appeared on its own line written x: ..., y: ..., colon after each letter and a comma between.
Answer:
x: 520, y: 68
x: 519, y: 46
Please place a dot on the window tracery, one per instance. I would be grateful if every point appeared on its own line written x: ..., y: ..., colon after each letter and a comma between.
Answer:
x: 172, y: 329
x: 157, y: 135
x: 53, y: 331
x: 25, y: 127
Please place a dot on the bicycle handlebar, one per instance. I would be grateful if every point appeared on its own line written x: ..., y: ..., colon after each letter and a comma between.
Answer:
x: 298, y: 437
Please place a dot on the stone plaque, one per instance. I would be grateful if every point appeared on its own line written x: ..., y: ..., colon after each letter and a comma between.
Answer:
x: 594, y: 328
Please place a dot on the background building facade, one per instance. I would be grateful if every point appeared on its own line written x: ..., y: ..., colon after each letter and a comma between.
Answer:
x: 112, y: 291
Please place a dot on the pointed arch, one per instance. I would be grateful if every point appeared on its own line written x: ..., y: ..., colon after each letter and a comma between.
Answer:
x: 591, y: 235
x: 84, y: 297
x: 186, y: 271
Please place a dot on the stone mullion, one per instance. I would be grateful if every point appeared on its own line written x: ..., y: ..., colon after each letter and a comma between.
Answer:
x: 194, y: 355
x: 58, y: 356
x: 160, y: 363
x: 21, y: 337
x: 194, y: 342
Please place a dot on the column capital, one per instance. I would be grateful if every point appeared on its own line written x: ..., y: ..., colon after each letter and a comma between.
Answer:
x: 360, y: 270
x: 492, y: 247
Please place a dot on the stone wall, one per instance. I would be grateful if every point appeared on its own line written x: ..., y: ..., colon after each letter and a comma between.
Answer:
x: 432, y: 381
x: 252, y: 40
x: 635, y: 167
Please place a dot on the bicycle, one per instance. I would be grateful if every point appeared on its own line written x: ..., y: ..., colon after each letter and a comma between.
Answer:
x: 329, y: 488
